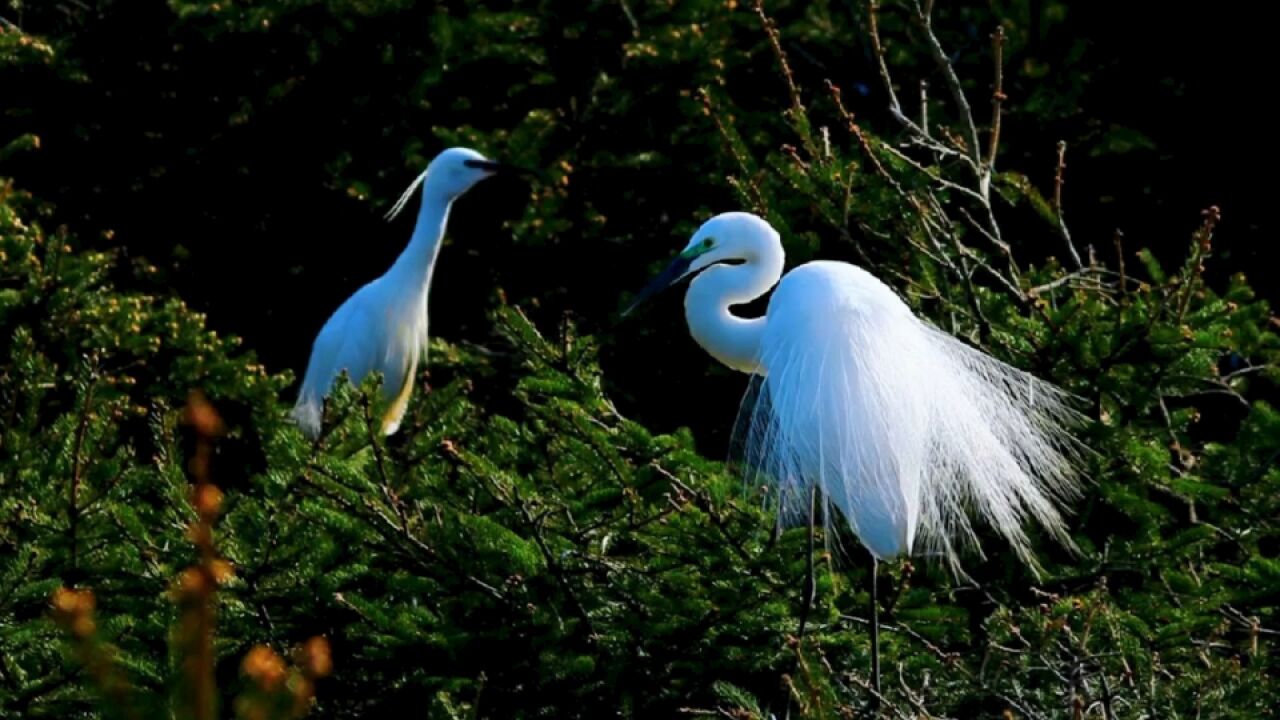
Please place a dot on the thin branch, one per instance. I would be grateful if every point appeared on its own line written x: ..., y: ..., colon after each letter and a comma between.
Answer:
x: 873, y: 19
x: 943, y: 182
x: 920, y: 134
x: 1065, y: 279
x: 997, y: 97
x: 1247, y: 371
x: 631, y: 18
x: 924, y: 106
x: 953, y: 82
x: 391, y: 531
x: 535, y: 527
x: 775, y: 39
x: 1058, y: 179
x: 1118, y: 239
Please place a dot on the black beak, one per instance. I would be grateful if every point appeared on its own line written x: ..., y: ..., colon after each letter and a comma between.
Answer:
x: 494, y: 166
x: 664, y: 280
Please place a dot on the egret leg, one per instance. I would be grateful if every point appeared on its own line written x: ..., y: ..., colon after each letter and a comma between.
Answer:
x: 810, y: 584
x: 810, y: 587
x: 875, y: 633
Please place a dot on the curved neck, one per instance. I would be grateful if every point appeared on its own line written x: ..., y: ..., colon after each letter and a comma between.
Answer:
x: 730, y: 339
x: 418, y: 259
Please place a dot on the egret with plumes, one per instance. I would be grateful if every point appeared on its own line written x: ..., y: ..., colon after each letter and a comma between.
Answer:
x: 383, y: 326
x: 902, y: 428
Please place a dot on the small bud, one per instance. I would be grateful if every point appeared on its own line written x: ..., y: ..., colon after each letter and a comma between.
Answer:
x: 264, y: 667
x: 83, y: 626
x: 200, y: 414
x: 222, y: 571
x: 208, y: 500
x: 191, y: 583
x: 315, y: 658
x: 71, y: 602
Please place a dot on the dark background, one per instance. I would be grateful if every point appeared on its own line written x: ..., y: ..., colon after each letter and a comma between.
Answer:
x: 251, y: 163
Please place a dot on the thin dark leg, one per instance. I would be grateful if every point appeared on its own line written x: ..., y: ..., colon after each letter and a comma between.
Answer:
x: 875, y: 633
x: 810, y: 584
x: 810, y: 588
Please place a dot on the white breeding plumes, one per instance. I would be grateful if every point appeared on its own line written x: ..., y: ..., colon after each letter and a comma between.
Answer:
x: 854, y: 400
x: 903, y: 428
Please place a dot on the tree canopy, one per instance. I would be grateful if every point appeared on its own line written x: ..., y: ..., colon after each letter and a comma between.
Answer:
x: 187, y: 190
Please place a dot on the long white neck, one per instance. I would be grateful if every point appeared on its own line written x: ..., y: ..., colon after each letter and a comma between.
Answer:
x: 730, y: 339
x: 418, y: 259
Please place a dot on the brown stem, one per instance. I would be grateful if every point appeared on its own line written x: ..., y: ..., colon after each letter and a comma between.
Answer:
x: 997, y: 97
x: 1118, y: 239
x: 775, y: 39
x: 1059, y: 177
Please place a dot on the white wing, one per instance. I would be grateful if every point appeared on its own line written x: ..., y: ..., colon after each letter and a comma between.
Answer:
x: 362, y: 336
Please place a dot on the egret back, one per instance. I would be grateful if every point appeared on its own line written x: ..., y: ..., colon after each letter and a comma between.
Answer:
x: 901, y: 427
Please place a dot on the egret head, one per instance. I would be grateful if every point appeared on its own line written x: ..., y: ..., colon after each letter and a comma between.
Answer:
x: 452, y: 173
x: 729, y: 238
x: 456, y: 170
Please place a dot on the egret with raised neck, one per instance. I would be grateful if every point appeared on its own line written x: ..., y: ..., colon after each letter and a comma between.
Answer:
x: 382, y: 327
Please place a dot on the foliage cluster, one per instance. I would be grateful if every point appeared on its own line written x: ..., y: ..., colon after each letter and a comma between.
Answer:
x: 523, y: 548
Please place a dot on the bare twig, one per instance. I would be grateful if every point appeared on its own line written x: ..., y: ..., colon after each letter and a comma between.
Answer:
x: 997, y: 97
x: 775, y: 39
x: 924, y: 107
x: 1058, y: 180
x: 969, y: 150
x: 631, y: 17
x: 895, y: 107
x: 1118, y: 239
x: 935, y: 177
x: 1065, y: 279
x: 924, y: 20
x: 920, y: 135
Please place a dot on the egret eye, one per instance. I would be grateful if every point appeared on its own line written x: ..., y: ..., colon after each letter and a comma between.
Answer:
x: 707, y: 243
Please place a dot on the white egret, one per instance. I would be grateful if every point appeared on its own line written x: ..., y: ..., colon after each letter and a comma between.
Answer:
x: 383, y: 325
x: 900, y: 426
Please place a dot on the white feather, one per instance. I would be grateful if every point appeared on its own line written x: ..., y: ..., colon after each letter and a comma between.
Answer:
x: 405, y: 196
x: 903, y: 428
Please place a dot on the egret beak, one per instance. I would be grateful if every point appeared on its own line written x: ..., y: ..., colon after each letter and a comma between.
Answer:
x: 665, y: 279
x: 493, y: 166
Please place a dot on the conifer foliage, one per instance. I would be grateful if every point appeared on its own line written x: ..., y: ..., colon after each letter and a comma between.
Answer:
x: 523, y: 547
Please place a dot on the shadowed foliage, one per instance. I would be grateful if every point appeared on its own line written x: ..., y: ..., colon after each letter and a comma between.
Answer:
x: 552, y: 532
